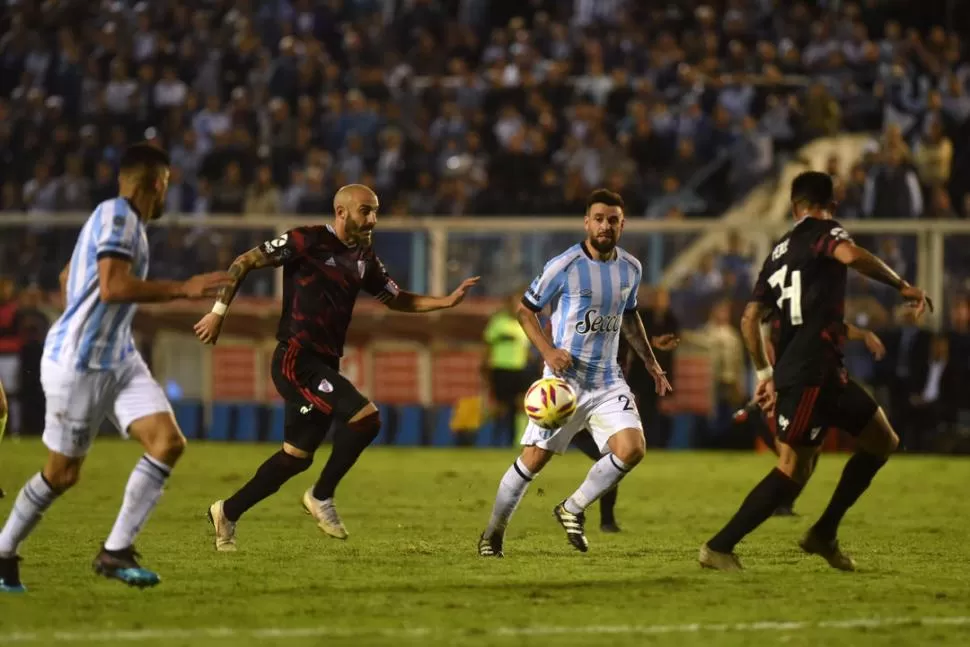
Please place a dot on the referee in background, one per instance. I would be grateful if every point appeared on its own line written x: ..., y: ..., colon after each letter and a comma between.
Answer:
x: 507, y: 365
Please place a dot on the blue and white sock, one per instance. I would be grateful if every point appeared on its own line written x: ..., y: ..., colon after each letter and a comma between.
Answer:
x: 141, y: 494
x: 34, y: 498
x: 603, y: 476
x: 511, y: 489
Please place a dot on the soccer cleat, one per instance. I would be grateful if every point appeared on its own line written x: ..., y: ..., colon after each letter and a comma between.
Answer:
x: 610, y: 527
x: 10, y: 575
x: 2, y: 493
x: 491, y: 546
x: 573, y: 524
x: 122, y: 565
x: 827, y: 550
x: 715, y: 560
x: 225, y: 529
x: 326, y: 515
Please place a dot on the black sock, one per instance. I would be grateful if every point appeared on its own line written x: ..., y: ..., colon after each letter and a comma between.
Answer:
x: 856, y: 478
x: 607, y: 506
x: 760, y: 504
x: 797, y: 493
x: 349, y: 443
x: 271, y: 475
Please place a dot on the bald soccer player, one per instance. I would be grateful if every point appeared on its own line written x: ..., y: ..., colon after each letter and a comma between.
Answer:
x: 324, y: 268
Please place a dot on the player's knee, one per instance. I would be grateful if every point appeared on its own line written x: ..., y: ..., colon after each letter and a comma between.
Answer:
x: 291, y: 463
x: 61, y: 475
x: 879, y: 437
x: 167, y: 447
x: 535, y: 458
x: 629, y: 446
x: 367, y: 423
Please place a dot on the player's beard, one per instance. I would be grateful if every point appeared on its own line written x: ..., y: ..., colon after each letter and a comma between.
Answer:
x: 603, y: 245
x: 359, y: 235
x: 157, y: 210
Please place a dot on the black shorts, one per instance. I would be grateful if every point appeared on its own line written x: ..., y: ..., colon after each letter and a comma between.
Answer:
x: 507, y: 385
x: 315, y: 392
x: 804, y: 413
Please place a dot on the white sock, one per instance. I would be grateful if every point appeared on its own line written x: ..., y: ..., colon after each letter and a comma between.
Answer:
x: 141, y: 494
x: 605, y: 474
x: 511, y: 489
x: 34, y: 498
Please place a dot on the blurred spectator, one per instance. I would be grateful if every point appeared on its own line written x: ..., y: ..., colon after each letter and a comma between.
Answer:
x: 933, y: 156
x: 262, y: 197
x: 726, y: 349
x: 892, y: 190
x: 937, y: 394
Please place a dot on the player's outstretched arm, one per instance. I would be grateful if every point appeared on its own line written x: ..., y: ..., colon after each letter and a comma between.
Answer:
x: 405, y: 301
x: 209, y: 327
x: 636, y: 335
x: 754, y: 342
x: 117, y: 284
x: 871, y: 340
x: 870, y: 265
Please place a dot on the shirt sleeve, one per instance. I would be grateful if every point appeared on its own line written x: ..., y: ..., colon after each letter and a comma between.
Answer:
x: 378, y: 282
x: 119, y: 233
x: 831, y: 237
x: 288, y: 246
x: 545, y: 287
x: 631, y: 299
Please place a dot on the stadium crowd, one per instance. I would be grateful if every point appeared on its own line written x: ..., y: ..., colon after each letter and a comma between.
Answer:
x: 453, y: 107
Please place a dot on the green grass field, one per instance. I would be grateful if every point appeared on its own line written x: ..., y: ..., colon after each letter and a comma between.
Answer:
x: 409, y: 574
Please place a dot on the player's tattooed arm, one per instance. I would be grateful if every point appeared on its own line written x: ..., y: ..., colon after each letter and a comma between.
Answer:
x: 245, y: 263
x: 636, y: 335
x: 210, y: 326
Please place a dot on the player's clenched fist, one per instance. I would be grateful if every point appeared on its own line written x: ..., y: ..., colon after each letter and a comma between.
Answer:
x: 208, y: 328
x: 558, y: 360
x: 206, y: 285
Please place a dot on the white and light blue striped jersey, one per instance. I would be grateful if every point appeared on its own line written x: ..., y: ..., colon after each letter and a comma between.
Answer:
x: 92, y: 334
x: 592, y: 297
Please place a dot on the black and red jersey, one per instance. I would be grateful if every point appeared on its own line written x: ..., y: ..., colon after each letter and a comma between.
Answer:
x: 321, y: 279
x: 804, y: 287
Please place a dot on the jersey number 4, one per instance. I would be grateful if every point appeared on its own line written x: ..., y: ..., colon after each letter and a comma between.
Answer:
x: 792, y: 292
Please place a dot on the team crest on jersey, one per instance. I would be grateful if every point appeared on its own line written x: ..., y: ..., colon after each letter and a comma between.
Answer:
x: 586, y: 292
x: 325, y: 386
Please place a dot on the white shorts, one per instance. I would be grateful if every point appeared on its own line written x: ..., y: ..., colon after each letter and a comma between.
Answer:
x: 603, y: 412
x: 79, y: 401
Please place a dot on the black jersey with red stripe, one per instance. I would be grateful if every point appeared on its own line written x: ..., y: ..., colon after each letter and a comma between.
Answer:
x: 804, y: 288
x: 321, y: 279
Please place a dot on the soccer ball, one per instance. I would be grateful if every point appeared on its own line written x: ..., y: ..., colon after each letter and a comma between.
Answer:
x: 550, y: 402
